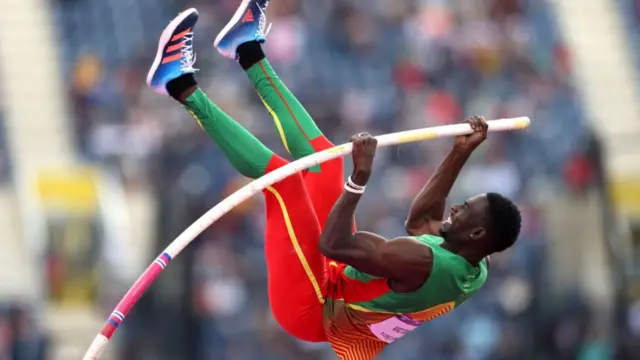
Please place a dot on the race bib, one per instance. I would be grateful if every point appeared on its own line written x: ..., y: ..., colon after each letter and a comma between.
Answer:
x: 394, y: 328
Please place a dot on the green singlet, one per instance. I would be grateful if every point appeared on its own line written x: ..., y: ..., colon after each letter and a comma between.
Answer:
x: 363, y: 315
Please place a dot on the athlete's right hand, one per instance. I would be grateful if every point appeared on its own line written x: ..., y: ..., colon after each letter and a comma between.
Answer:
x: 364, y: 150
x: 468, y: 143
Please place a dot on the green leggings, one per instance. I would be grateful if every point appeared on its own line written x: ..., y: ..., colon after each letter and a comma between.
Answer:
x: 247, y: 154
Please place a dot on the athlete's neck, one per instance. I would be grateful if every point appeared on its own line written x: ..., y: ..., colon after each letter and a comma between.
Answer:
x: 471, y: 255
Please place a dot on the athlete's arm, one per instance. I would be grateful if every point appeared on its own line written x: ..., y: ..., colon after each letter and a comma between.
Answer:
x: 403, y: 260
x: 427, y: 209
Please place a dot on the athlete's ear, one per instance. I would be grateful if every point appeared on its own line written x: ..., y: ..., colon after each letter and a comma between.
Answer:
x: 477, y: 233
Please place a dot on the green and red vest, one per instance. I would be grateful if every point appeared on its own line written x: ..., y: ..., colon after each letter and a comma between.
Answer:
x: 363, y: 315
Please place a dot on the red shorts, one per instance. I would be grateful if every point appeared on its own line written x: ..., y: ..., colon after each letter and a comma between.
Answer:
x: 297, y: 209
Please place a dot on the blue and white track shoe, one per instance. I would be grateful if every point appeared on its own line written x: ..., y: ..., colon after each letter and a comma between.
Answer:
x: 175, y: 56
x: 249, y: 23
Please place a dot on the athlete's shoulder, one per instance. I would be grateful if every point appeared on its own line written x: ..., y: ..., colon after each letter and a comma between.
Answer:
x: 449, y: 264
x: 429, y: 239
x: 434, y: 242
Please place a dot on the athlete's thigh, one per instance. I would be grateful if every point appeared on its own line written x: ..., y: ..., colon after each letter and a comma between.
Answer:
x: 325, y: 186
x: 295, y: 266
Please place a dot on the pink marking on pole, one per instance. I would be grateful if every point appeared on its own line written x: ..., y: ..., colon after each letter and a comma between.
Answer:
x: 131, y: 297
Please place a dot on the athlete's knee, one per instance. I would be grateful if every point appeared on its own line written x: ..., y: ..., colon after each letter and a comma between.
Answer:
x: 321, y: 143
x: 275, y: 162
x: 290, y: 189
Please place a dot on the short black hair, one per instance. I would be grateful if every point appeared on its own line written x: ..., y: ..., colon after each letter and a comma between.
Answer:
x: 504, y: 222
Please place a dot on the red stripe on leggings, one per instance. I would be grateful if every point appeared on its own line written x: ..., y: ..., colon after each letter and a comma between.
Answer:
x: 273, y: 85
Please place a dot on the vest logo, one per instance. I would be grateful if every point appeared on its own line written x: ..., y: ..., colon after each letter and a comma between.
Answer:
x: 397, y: 326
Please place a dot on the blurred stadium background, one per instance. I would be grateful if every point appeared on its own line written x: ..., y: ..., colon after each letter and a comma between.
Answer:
x: 98, y: 174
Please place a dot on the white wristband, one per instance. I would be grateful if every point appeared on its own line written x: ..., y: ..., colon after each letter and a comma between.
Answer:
x: 353, y: 190
x: 354, y: 185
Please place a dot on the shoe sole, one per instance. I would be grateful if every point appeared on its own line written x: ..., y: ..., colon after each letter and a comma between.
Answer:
x: 234, y: 20
x: 164, y: 39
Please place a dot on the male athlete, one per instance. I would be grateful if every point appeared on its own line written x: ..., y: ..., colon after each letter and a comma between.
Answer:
x: 328, y: 282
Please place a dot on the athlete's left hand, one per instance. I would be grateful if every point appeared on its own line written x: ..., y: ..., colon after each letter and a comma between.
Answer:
x: 364, y: 150
x: 479, y: 134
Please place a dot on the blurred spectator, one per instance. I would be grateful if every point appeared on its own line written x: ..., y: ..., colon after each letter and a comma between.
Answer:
x: 630, y: 13
x: 20, y: 338
x: 4, y: 152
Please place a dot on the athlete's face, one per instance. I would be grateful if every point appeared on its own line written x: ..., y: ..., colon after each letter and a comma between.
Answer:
x: 466, y: 221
